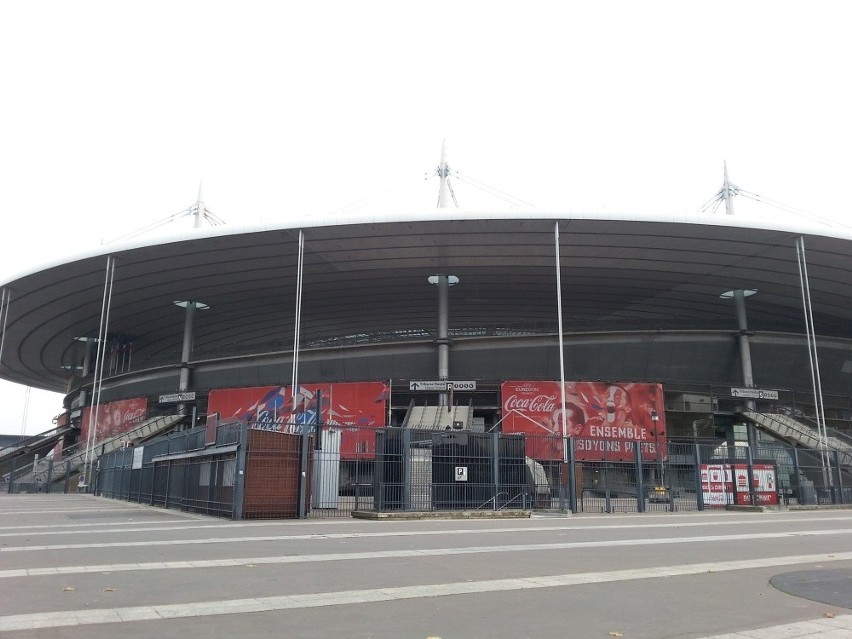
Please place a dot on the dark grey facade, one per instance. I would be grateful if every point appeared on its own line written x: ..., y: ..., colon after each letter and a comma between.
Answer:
x: 641, y: 302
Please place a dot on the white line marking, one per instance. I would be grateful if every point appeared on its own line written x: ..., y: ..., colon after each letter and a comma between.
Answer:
x: 356, y: 535
x: 397, y: 554
x: 56, y: 529
x: 317, y: 600
x: 52, y: 511
x: 823, y: 627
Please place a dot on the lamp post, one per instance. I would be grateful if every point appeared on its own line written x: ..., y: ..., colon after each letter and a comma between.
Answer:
x: 655, y: 417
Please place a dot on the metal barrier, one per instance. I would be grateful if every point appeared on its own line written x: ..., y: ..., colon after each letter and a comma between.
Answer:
x: 254, y: 473
x: 450, y: 470
x: 41, y: 475
x: 176, y: 471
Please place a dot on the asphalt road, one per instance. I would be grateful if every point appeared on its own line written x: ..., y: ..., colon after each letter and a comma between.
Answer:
x: 80, y: 566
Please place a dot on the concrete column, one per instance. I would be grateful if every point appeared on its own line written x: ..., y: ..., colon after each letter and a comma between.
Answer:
x: 443, y: 327
x: 745, y: 359
x: 443, y: 282
x: 186, y: 353
x: 745, y: 352
x: 87, y: 357
x: 87, y: 368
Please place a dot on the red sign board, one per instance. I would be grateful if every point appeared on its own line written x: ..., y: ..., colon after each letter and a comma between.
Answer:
x: 724, y: 484
x: 114, y: 418
x: 604, y: 419
x: 356, y: 408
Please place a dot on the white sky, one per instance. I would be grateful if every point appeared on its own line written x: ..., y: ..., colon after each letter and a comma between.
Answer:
x: 113, y: 112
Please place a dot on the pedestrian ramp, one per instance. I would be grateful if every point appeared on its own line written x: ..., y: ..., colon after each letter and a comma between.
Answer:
x: 438, y: 417
x: 40, y: 445
x: 74, y: 458
x: 799, y: 433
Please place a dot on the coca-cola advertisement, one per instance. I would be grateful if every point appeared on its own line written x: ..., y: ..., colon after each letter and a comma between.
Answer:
x: 604, y: 419
x: 114, y: 418
x: 357, y: 408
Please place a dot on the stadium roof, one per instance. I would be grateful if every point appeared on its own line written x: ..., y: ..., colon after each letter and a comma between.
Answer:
x: 365, y: 280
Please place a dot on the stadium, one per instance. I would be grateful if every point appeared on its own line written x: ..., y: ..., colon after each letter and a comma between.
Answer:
x: 444, y: 360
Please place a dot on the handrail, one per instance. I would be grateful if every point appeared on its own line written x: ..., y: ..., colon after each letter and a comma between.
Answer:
x: 73, y: 454
x: 33, y: 439
x: 793, y: 424
x: 491, y: 500
x: 830, y: 432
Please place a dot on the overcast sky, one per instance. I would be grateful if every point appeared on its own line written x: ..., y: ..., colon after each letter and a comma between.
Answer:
x: 113, y: 112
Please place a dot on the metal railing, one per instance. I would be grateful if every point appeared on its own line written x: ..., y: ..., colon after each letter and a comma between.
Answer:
x: 258, y: 474
x: 176, y: 471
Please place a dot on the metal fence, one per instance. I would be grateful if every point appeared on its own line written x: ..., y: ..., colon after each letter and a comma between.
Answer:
x: 42, y: 475
x: 449, y: 470
x: 176, y: 471
x: 252, y: 473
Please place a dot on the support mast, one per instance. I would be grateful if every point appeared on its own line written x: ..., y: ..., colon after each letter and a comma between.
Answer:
x: 727, y: 192
x: 199, y: 209
x: 443, y: 175
x: 444, y: 282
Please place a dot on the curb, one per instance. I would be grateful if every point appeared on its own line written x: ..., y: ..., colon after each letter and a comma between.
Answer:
x: 444, y: 514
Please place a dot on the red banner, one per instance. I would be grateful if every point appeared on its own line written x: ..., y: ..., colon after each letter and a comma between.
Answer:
x: 603, y: 419
x: 114, y: 418
x: 356, y: 408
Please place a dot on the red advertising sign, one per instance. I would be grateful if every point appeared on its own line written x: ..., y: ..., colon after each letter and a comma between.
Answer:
x: 114, y: 418
x: 356, y: 408
x: 603, y: 419
x: 723, y: 484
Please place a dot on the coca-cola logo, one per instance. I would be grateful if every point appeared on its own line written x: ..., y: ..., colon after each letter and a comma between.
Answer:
x: 266, y: 416
x: 536, y: 404
x: 114, y: 415
x: 131, y: 415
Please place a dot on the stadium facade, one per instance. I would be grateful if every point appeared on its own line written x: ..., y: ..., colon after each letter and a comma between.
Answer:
x: 663, y: 328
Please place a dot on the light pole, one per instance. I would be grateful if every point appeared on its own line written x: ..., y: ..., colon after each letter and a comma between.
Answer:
x: 655, y: 417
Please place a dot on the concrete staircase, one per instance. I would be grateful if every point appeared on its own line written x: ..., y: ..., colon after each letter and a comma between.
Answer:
x: 21, y: 453
x: 75, y: 457
x: 438, y: 417
x: 797, y: 432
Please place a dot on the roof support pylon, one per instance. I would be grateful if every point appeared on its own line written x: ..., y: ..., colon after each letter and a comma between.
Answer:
x: 199, y: 211
x: 443, y: 175
x: 727, y: 192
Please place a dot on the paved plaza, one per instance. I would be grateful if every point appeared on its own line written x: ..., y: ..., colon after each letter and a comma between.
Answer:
x: 82, y: 566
